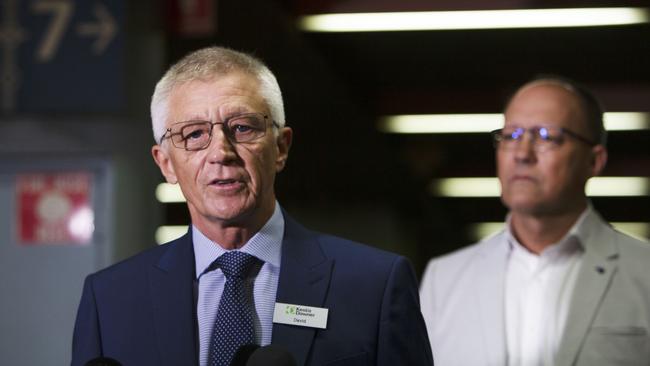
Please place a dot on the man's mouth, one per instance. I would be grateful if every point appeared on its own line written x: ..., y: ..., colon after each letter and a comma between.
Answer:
x: 224, y: 182
x: 522, y: 177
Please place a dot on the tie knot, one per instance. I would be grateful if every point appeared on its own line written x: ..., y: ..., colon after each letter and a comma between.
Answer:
x: 236, y: 263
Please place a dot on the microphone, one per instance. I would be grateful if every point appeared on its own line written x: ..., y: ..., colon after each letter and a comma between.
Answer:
x: 102, y: 361
x: 271, y: 356
x: 243, y: 354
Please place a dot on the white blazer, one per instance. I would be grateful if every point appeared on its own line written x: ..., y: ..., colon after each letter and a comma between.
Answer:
x: 462, y: 300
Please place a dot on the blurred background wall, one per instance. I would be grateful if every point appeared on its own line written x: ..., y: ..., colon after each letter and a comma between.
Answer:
x: 79, y: 191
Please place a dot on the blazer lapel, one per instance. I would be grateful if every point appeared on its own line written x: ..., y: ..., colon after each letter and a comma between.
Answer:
x: 491, y: 268
x: 304, y: 279
x: 172, y: 300
x: 598, y: 267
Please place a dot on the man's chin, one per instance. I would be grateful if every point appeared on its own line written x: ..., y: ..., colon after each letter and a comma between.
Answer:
x: 232, y: 215
x: 226, y: 211
x: 234, y: 211
x: 523, y: 206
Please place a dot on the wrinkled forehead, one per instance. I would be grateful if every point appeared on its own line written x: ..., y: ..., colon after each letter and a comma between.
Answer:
x: 546, y: 102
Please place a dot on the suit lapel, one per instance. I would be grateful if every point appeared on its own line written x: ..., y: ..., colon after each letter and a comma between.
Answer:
x: 171, y: 283
x: 598, y: 267
x: 491, y: 268
x: 304, y: 279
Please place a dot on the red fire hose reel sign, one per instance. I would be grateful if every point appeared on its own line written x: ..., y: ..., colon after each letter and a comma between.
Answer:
x: 54, y: 208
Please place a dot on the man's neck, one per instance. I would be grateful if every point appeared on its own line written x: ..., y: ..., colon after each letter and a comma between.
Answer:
x: 538, y: 232
x: 228, y: 237
x: 232, y: 234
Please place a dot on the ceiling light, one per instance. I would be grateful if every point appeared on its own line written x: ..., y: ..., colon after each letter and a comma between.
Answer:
x: 627, y: 121
x: 485, y: 122
x: 441, y: 123
x: 168, y: 233
x: 466, y: 187
x: 168, y: 193
x: 472, y: 19
x: 490, y: 187
x: 618, y: 186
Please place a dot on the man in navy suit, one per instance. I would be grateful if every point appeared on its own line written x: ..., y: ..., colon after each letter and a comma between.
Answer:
x: 218, y: 120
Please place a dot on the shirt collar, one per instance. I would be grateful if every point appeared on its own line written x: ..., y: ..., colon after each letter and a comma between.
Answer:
x: 574, y: 239
x: 266, y: 244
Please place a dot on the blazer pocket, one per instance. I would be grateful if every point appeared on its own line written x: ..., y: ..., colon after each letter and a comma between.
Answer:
x: 622, y: 331
x: 359, y: 359
x: 626, y: 345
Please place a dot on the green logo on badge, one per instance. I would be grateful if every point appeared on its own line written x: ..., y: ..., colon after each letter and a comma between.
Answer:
x: 290, y: 309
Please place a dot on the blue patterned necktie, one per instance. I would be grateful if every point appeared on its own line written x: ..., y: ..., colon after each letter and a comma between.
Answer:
x: 233, y: 326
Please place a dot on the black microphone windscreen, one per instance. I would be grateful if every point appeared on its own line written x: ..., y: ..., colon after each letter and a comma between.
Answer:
x: 243, y: 354
x: 102, y: 361
x: 271, y: 355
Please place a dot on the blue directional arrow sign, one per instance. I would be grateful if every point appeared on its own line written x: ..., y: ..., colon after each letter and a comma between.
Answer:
x: 62, y: 55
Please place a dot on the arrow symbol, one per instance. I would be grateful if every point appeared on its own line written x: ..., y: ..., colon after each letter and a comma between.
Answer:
x: 104, y: 29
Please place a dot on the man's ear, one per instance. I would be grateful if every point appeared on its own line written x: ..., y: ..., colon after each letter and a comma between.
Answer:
x: 598, y: 159
x: 163, y: 160
x: 283, y: 141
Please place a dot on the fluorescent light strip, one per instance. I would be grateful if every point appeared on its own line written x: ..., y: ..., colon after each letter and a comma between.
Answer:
x: 627, y: 121
x: 441, y: 123
x: 640, y: 230
x: 168, y: 233
x: 473, y: 19
x: 618, y: 186
x: 490, y: 187
x: 169, y: 193
x: 485, y: 122
x: 466, y: 187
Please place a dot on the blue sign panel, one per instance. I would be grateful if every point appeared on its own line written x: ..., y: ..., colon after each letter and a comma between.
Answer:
x: 62, y: 55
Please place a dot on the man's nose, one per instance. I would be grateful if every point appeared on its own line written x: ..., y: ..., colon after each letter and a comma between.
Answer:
x: 221, y: 149
x: 524, y: 149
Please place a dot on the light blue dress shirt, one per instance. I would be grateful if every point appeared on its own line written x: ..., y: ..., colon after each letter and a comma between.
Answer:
x: 266, y: 245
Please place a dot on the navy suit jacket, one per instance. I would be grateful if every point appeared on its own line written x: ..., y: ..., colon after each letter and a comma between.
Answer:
x: 141, y: 311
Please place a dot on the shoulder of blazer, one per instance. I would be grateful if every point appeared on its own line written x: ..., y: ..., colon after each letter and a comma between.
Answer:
x: 164, y: 257
x: 484, y: 249
x: 632, y: 253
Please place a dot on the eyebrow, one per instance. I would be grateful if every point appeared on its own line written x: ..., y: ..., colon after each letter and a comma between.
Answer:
x: 230, y: 114
x: 190, y: 120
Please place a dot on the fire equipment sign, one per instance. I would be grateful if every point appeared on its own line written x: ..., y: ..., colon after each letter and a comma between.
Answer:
x: 54, y: 208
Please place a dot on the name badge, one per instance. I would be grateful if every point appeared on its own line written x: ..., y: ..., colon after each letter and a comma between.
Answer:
x: 300, y: 315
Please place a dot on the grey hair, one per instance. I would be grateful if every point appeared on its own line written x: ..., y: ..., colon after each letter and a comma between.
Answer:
x: 206, y: 64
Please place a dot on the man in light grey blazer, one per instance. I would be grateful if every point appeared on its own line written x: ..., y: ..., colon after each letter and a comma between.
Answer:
x: 558, y: 286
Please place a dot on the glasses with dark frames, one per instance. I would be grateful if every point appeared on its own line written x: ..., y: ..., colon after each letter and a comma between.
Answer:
x: 543, y: 138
